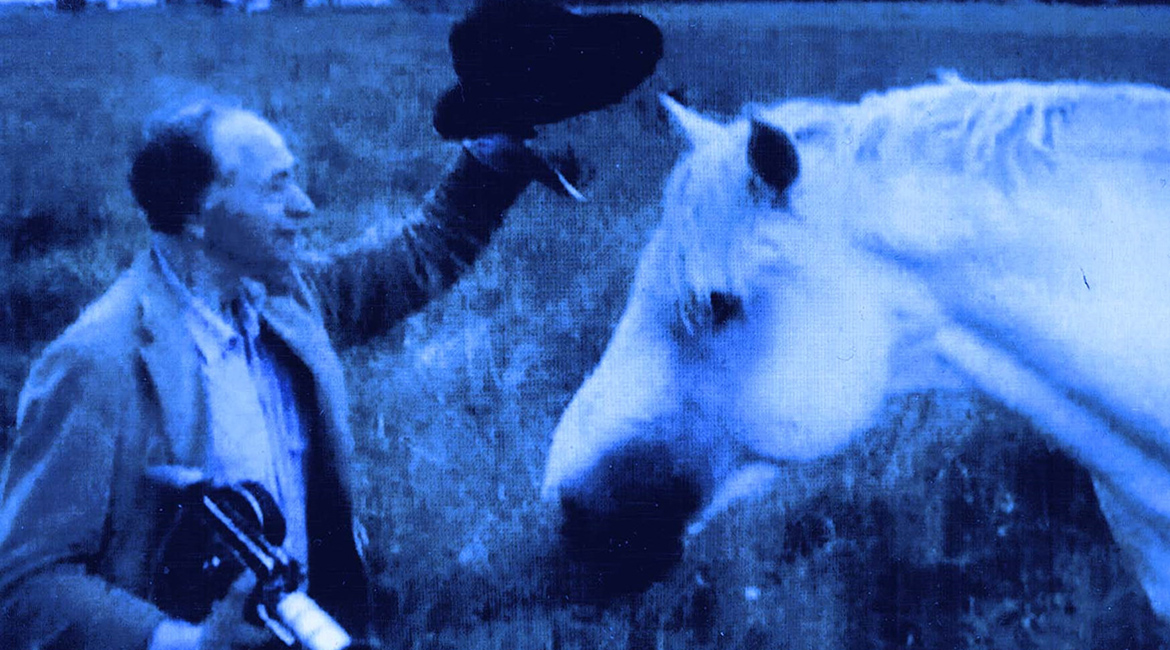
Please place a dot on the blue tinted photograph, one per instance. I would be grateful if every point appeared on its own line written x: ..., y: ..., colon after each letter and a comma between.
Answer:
x: 533, y: 325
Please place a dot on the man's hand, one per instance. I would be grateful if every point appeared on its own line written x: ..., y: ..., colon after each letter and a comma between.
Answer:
x: 224, y: 628
x: 509, y: 155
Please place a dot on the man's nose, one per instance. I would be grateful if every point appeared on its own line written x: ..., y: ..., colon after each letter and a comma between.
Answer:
x: 299, y: 204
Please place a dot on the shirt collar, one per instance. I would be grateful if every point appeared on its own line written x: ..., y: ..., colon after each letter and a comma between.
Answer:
x: 213, y: 332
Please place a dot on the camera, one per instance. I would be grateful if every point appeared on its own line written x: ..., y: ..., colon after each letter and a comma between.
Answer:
x: 208, y: 535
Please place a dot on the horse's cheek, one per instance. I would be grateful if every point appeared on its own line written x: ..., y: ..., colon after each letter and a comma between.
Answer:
x: 819, y: 379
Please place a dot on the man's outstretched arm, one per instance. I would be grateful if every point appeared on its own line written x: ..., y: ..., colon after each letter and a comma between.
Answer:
x: 394, y: 269
x: 513, y: 75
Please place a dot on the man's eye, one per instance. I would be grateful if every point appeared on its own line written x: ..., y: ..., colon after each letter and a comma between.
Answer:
x: 279, y: 182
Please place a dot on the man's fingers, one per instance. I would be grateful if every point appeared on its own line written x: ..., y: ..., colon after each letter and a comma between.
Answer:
x: 232, y: 603
x: 226, y: 628
x: 510, y: 155
x: 243, y: 586
x: 230, y: 609
x: 247, y: 637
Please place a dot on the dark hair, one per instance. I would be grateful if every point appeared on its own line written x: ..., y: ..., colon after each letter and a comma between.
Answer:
x: 169, y: 176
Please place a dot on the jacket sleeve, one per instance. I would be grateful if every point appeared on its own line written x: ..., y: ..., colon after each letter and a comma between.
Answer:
x: 392, y: 270
x: 56, y: 482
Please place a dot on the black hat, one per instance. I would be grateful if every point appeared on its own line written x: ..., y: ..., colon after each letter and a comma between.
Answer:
x: 523, y: 62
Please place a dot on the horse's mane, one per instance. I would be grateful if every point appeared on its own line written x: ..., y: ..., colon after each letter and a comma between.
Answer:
x: 1003, y: 133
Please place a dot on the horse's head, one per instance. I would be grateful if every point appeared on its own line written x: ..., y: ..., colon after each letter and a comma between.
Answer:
x: 753, y: 334
x: 816, y: 258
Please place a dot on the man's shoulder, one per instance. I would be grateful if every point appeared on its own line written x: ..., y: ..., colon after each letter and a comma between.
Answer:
x: 107, y: 328
x: 97, y: 350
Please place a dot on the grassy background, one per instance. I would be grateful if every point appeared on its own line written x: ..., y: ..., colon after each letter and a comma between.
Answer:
x: 953, y: 526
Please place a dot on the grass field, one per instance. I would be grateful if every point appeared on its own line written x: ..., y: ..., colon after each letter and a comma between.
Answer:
x: 954, y: 526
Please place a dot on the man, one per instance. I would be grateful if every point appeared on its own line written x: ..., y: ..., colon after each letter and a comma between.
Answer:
x: 211, y: 353
x: 210, y: 357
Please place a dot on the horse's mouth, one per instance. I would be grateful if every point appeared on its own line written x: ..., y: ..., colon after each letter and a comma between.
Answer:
x: 623, y: 523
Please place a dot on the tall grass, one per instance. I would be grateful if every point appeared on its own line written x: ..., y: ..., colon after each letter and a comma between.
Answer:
x: 952, y: 526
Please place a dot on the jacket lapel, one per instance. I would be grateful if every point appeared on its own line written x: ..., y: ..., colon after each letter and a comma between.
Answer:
x: 305, y: 335
x: 173, y: 362
x: 338, y: 567
x: 293, y: 318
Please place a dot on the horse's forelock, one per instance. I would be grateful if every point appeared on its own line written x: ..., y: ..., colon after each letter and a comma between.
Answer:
x: 709, y: 218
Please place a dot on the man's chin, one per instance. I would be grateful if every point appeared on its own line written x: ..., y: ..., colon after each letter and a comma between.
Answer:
x: 284, y: 260
x: 268, y: 267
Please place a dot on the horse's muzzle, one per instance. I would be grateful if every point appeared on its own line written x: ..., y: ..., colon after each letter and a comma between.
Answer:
x: 623, y: 521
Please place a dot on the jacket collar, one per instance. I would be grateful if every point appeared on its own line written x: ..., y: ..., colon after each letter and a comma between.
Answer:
x: 173, y: 356
x: 212, y: 328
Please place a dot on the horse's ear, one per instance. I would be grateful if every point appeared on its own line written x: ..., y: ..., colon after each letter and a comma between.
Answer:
x: 773, y: 156
x: 698, y: 129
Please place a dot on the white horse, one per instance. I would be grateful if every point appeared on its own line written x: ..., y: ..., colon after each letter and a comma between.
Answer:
x: 817, y: 258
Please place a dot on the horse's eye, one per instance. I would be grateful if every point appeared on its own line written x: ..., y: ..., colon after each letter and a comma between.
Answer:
x: 725, y: 307
x: 711, y: 314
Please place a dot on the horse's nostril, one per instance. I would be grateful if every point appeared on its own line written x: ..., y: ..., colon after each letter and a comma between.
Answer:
x: 622, y: 524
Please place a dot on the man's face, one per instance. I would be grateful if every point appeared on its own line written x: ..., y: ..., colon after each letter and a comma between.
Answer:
x: 254, y: 209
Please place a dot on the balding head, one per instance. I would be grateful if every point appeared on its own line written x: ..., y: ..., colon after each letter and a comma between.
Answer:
x: 244, y: 144
x: 188, y: 149
x: 253, y: 209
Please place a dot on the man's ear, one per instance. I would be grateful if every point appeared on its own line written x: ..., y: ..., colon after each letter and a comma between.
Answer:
x: 212, y: 202
x: 220, y: 183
